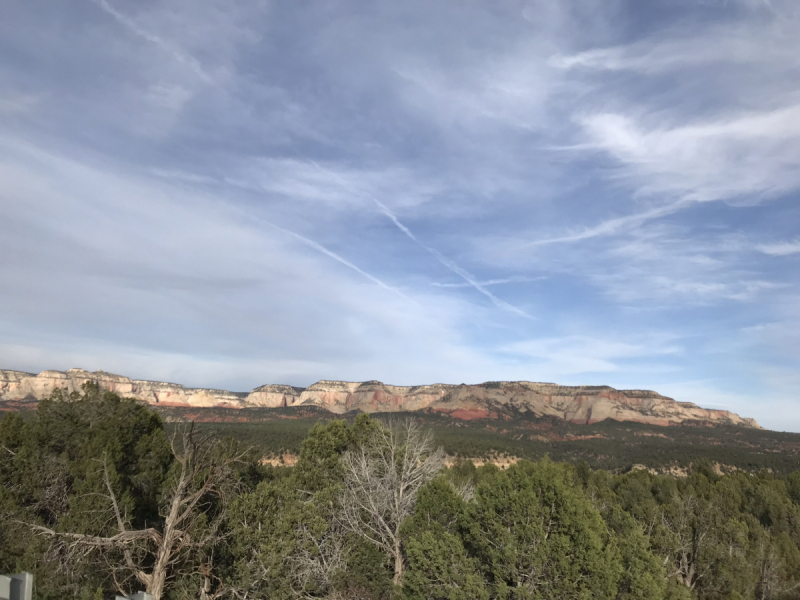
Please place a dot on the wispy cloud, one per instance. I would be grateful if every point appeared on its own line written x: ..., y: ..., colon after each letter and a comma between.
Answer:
x: 611, y: 226
x: 18, y: 103
x: 336, y: 185
x: 770, y: 42
x: 488, y: 282
x: 745, y: 158
x: 662, y: 266
x: 780, y: 248
x: 568, y: 355
x: 674, y: 144
x: 170, y: 47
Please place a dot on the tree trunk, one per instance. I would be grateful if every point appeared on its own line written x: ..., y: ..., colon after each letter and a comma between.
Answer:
x: 159, y: 577
x: 399, y: 567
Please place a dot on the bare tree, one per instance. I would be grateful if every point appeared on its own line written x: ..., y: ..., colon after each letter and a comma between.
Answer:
x: 695, y: 533
x: 382, y: 478
x: 317, y: 561
x: 464, y: 489
x: 773, y: 581
x: 192, y: 513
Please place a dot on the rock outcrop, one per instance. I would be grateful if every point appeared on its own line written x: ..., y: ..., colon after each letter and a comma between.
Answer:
x: 577, y: 404
x: 18, y: 385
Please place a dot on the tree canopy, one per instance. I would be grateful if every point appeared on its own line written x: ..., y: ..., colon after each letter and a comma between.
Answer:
x: 95, y: 494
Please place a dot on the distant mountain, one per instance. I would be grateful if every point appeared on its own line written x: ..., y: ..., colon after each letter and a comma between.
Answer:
x: 498, y: 399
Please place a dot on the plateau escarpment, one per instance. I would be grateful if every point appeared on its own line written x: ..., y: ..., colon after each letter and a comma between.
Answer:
x: 577, y: 404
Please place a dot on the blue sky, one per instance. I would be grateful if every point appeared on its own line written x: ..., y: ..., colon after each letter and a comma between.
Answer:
x: 236, y: 193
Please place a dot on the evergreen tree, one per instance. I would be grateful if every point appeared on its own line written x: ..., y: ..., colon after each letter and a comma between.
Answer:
x: 537, y: 536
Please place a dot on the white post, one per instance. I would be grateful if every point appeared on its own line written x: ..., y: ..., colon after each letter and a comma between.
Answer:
x: 18, y: 586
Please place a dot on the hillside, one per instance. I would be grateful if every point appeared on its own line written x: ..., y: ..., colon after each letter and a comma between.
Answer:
x: 491, y: 400
x: 610, y: 444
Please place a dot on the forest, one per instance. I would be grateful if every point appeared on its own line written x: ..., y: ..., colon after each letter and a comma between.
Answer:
x: 609, y: 444
x: 99, y: 496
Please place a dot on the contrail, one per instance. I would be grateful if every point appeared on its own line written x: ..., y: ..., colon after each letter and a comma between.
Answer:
x: 176, y: 52
x: 465, y: 275
x: 323, y: 250
x: 336, y: 257
x: 300, y: 238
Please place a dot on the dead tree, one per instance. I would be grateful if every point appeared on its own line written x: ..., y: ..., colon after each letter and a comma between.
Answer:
x: 317, y: 561
x: 192, y: 512
x: 382, y: 478
x: 775, y: 579
x: 694, y: 532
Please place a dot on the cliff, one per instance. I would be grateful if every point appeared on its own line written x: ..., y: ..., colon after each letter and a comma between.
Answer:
x: 18, y: 385
x: 577, y: 404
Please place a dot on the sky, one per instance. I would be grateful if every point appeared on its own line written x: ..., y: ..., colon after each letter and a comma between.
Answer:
x: 228, y: 194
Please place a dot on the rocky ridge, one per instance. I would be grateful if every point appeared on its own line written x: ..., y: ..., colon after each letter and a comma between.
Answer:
x: 577, y: 404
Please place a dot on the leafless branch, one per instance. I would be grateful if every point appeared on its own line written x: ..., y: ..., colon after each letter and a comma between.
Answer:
x: 155, y: 556
x: 382, y: 478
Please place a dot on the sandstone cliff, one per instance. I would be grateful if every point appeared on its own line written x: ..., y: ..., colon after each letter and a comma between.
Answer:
x: 578, y: 404
x: 17, y: 385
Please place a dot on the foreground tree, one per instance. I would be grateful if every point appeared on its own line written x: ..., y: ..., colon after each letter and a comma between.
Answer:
x: 202, y: 481
x: 119, y: 508
x: 288, y: 538
x: 381, y: 479
x: 438, y: 565
x: 538, y: 537
x: 51, y: 475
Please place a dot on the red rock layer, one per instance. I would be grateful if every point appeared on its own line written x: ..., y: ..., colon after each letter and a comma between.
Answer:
x: 578, y: 404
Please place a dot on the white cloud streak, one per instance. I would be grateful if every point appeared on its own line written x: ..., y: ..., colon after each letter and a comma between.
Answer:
x: 464, y: 274
x: 780, y: 248
x: 503, y: 281
x: 18, y: 104
x: 745, y: 158
x: 675, y: 50
x: 573, y: 354
x: 448, y: 263
x: 323, y: 250
x: 612, y: 226
x: 746, y: 150
x: 177, y: 53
